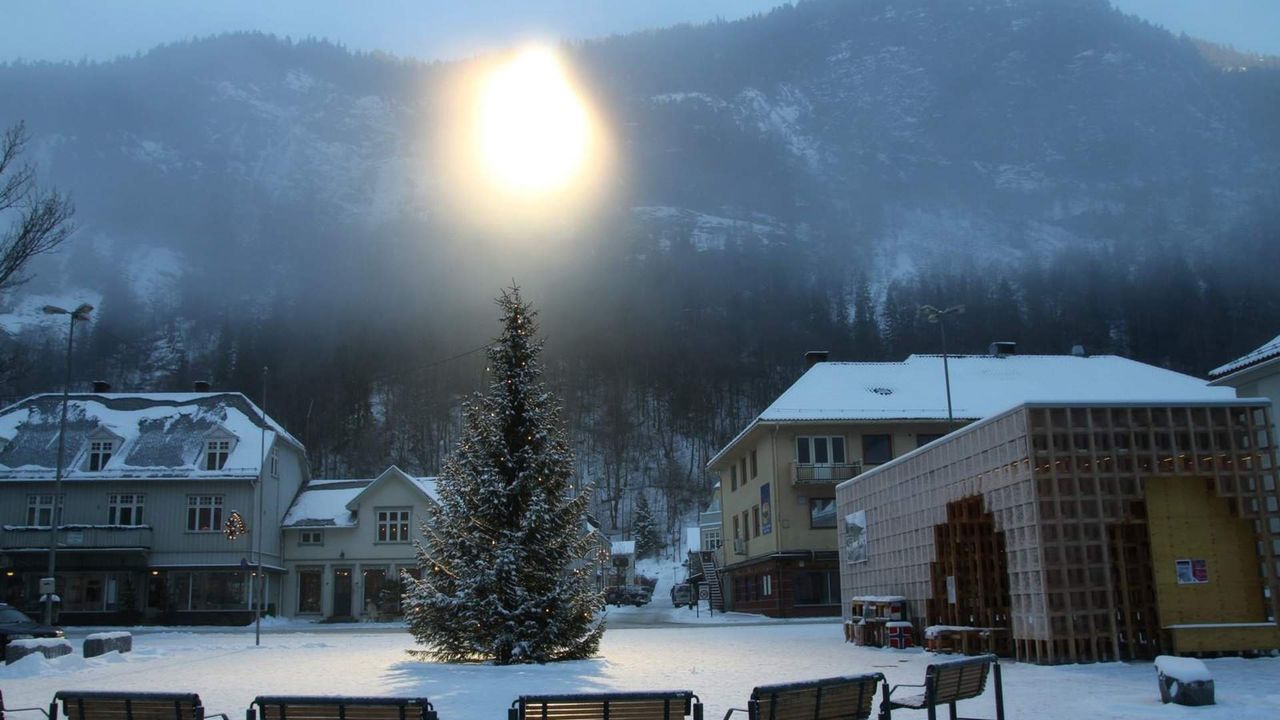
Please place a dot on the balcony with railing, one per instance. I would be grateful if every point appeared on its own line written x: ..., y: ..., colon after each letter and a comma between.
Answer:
x: 809, y: 474
x: 76, y: 537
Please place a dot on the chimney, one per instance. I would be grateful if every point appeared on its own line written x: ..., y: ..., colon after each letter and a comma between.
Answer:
x: 1003, y: 348
x: 813, y: 357
x: 200, y: 386
x: 101, y: 386
x: 1078, y: 351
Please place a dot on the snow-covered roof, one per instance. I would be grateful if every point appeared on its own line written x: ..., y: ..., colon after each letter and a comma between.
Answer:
x: 623, y: 547
x: 1266, y: 352
x: 981, y: 385
x: 323, y: 503
x: 161, y: 435
x: 333, y: 503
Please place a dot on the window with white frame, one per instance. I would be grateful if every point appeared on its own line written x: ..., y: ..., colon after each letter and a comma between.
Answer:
x: 215, y: 454
x: 275, y: 463
x: 393, y: 525
x: 100, y: 452
x: 311, y: 537
x: 204, y: 513
x: 820, y: 450
x: 124, y: 509
x: 40, y: 510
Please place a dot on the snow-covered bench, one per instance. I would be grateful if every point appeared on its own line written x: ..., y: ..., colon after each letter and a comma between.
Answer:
x: 102, y: 643
x: 338, y: 707
x: 947, y: 683
x: 851, y: 697
x: 93, y: 705
x: 48, y: 647
x: 671, y: 705
x: 1185, y: 681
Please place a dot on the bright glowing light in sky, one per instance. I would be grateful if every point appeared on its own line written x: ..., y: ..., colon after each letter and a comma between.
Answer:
x: 534, y: 130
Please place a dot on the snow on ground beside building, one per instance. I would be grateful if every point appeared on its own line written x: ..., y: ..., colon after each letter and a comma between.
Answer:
x: 720, y: 664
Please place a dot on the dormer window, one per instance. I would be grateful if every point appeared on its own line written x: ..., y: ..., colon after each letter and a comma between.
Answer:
x: 100, y: 452
x: 215, y: 454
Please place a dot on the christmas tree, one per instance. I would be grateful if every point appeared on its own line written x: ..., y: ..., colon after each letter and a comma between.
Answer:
x: 504, y: 575
x: 645, y: 529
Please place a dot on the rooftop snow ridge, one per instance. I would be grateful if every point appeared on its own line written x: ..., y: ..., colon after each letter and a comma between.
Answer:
x: 1266, y: 351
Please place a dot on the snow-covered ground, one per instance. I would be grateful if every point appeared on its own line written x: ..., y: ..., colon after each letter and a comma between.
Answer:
x: 720, y: 664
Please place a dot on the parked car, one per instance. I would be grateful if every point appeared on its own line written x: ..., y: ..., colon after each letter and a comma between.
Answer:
x: 682, y: 595
x: 626, y: 595
x: 15, y: 625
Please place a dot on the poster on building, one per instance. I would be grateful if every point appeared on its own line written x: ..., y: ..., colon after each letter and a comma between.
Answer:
x: 766, y: 511
x: 1192, y: 571
x: 855, y: 536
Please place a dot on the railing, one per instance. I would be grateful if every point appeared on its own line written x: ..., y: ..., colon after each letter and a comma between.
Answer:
x: 77, y: 536
x: 802, y: 474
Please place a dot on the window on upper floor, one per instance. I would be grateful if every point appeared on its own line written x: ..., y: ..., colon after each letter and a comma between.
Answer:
x: 393, y: 525
x: 40, y: 510
x: 755, y: 467
x: 124, y: 509
x: 311, y: 537
x: 820, y: 450
x: 204, y: 513
x: 923, y: 439
x: 100, y: 452
x: 216, y: 453
x: 822, y: 512
x: 755, y: 521
x: 877, y: 449
x: 737, y: 530
x: 742, y: 469
x: 275, y: 463
x: 733, y: 477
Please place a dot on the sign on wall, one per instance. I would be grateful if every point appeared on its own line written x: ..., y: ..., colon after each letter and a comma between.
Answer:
x: 766, y: 511
x: 855, y: 536
x: 1192, y: 571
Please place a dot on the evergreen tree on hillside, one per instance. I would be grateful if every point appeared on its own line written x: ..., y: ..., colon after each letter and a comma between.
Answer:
x: 645, y: 529
x: 500, y: 573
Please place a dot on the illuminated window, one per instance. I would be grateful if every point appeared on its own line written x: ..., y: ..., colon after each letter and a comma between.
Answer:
x: 204, y: 513
x: 393, y: 526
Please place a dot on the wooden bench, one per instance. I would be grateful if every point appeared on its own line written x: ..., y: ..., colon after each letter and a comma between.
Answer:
x: 92, y: 705
x: 851, y: 697
x: 947, y: 683
x: 336, y: 707
x: 671, y: 705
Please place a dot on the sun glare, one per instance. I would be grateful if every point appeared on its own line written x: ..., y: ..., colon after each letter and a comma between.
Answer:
x: 534, y: 130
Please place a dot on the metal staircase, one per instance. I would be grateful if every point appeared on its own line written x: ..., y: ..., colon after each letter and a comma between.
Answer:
x: 711, y: 575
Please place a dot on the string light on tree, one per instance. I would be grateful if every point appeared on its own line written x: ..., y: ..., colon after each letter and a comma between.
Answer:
x: 234, y: 527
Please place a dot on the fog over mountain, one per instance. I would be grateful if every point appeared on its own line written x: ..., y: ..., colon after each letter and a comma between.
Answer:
x: 796, y: 180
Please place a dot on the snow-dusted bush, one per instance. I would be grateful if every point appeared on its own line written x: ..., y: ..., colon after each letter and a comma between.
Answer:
x: 48, y: 647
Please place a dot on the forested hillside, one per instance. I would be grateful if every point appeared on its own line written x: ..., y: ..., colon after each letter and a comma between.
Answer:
x: 799, y: 180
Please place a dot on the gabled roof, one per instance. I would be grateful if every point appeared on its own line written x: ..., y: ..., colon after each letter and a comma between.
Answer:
x: 161, y: 435
x: 981, y: 385
x: 1267, y: 351
x: 333, y: 503
x: 424, y: 485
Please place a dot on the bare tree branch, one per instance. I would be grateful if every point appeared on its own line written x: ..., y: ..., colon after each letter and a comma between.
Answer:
x: 41, y: 218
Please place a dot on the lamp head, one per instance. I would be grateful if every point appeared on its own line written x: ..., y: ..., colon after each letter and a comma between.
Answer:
x: 54, y: 310
x: 82, y: 312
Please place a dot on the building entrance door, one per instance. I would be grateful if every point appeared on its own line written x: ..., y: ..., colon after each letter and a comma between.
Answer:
x: 342, y: 592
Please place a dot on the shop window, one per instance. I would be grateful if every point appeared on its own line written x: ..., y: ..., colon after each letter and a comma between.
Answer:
x: 817, y: 588
x: 310, y: 582
x: 766, y: 585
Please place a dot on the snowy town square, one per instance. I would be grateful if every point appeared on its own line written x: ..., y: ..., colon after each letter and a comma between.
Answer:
x: 618, y: 360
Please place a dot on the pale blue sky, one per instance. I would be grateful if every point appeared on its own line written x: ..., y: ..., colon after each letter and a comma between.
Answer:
x: 442, y: 29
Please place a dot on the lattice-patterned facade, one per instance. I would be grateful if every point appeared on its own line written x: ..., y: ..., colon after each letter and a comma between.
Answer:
x: 1089, y: 574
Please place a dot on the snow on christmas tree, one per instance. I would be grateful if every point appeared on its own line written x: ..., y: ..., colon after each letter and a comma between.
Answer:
x: 504, y: 575
x: 645, y: 529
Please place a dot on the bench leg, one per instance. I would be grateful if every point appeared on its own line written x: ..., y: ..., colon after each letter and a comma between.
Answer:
x: 999, y: 693
x: 953, y: 710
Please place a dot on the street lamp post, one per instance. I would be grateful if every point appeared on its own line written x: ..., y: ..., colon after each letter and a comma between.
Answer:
x: 55, y: 516
x: 939, y: 317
